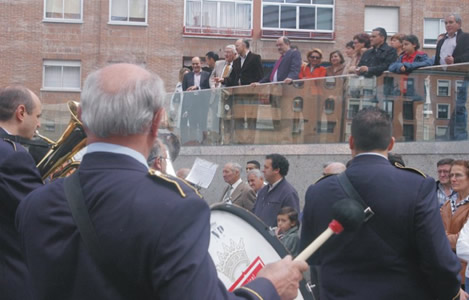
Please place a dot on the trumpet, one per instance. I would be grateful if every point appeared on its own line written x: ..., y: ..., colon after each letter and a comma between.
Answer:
x: 59, y: 161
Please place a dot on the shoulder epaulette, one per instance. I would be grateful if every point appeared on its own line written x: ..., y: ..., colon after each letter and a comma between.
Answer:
x: 324, y: 176
x: 398, y: 165
x: 172, y: 181
x: 11, y: 142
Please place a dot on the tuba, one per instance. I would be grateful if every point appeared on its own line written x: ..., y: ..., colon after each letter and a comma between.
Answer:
x: 59, y: 161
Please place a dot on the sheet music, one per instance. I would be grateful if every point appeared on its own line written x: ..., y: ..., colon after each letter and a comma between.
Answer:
x: 202, y: 173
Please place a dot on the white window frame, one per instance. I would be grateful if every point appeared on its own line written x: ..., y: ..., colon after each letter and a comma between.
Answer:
x: 441, y: 27
x: 298, y: 5
x: 369, y: 28
x: 131, y: 23
x: 388, y: 106
x: 250, y: 2
x: 439, y: 128
x: 439, y: 81
x: 62, y: 20
x: 438, y: 110
x: 426, y: 133
x: 60, y: 63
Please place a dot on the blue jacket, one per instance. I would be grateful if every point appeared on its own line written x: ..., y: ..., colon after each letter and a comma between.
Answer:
x: 401, y: 253
x: 268, y: 204
x: 155, y: 232
x: 289, y: 67
x: 18, y: 177
x: 421, y: 60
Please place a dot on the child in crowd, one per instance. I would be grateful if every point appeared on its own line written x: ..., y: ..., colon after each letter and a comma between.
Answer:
x: 287, y: 229
x: 411, y: 59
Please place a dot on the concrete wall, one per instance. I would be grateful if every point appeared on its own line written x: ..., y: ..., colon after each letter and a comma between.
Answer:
x: 306, y: 161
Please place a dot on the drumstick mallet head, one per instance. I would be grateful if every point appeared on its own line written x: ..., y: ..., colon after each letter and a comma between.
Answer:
x: 347, y: 215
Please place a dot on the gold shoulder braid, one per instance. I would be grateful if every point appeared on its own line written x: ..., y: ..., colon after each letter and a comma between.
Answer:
x: 175, y: 183
x: 11, y: 142
x: 324, y: 176
x: 398, y: 165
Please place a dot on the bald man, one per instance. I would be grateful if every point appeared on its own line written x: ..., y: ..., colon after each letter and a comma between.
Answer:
x: 152, y: 231
x: 333, y: 168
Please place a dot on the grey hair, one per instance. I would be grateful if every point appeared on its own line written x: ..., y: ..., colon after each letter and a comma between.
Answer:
x: 127, y: 112
x: 235, y: 167
x: 457, y: 17
x: 231, y: 47
x: 257, y: 173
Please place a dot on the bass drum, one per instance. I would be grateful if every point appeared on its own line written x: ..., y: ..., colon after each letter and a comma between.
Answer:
x: 241, y: 245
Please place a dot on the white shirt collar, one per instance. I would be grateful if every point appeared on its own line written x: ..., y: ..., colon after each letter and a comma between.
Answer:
x: 118, y: 149
x: 236, y: 184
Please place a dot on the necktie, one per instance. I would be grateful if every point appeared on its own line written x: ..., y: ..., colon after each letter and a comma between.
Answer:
x: 228, y: 194
x: 226, y: 71
x: 277, y: 64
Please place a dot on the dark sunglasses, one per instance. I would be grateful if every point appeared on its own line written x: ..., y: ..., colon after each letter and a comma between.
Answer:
x: 315, y: 57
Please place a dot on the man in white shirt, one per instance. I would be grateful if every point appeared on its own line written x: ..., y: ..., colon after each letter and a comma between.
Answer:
x: 454, y: 47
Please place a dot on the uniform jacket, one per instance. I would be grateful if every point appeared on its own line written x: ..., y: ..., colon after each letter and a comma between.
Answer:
x: 289, y: 67
x: 460, y: 53
x: 421, y: 60
x: 18, y: 177
x: 401, y: 253
x: 155, y: 235
x: 250, y: 72
x: 242, y: 196
x: 378, y: 60
x: 269, y: 203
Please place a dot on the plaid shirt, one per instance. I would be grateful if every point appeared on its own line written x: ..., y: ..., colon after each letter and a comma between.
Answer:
x: 441, y: 195
x: 454, y: 205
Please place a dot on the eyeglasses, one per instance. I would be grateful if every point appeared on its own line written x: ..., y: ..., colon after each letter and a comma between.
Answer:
x: 315, y: 57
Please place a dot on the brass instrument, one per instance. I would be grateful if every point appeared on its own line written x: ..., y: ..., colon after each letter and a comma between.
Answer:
x: 59, y: 162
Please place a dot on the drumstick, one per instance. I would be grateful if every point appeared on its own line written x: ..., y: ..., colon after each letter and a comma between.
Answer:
x: 347, y: 214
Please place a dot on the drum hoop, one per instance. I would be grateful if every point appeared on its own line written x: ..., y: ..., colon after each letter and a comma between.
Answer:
x: 264, y: 230
x: 255, y: 222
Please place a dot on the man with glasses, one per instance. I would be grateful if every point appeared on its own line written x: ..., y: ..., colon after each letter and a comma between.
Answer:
x: 443, y: 185
x: 377, y: 60
x: 158, y: 156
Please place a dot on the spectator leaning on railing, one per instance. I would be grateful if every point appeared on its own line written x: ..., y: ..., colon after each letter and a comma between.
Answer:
x: 377, y: 60
x: 454, y: 47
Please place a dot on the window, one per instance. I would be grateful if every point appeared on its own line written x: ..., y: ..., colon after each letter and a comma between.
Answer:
x: 443, y: 111
x: 386, y: 17
x: 408, y: 110
x: 329, y: 106
x: 410, y: 88
x: 128, y: 12
x: 63, y: 11
x: 326, y: 127
x: 461, y: 90
x: 443, y: 88
x: 298, y: 15
x: 61, y: 75
x: 408, y: 132
x: 388, y: 106
x: 441, y: 133
x: 431, y: 29
x: 223, y: 17
x: 426, y: 133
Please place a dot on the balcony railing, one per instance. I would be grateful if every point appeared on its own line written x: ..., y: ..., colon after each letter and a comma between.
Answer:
x: 429, y: 104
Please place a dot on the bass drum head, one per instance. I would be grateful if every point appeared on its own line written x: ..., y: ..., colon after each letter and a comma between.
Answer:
x: 241, y: 245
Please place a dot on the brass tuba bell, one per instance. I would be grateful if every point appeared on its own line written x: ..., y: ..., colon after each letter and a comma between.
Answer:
x: 59, y: 159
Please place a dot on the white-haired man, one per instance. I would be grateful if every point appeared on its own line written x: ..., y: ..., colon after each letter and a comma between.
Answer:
x: 237, y: 192
x: 147, y: 235
x: 223, y: 68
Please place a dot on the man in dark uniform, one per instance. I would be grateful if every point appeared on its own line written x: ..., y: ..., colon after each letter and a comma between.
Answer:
x: 402, y: 251
x: 19, y: 117
x: 153, y: 230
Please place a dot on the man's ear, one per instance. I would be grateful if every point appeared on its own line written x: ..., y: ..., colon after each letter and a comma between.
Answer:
x: 20, y: 112
x: 351, y: 143
x: 391, y: 143
x: 156, y: 122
